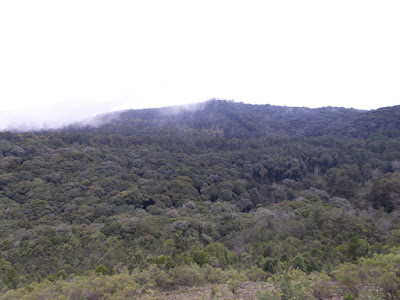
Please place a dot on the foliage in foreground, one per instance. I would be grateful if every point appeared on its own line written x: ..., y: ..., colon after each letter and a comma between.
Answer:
x: 375, y: 278
x: 125, y: 286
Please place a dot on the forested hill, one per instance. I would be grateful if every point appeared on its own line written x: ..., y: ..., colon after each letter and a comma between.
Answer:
x: 144, y: 201
x: 238, y: 120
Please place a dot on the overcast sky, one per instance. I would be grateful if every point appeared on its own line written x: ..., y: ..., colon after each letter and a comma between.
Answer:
x: 61, y: 61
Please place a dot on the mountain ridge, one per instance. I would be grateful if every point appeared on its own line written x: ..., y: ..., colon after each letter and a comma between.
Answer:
x: 239, y: 120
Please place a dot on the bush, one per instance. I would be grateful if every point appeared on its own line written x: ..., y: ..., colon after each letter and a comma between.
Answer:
x: 190, y: 275
x: 219, y: 255
x: 11, y: 278
x: 322, y: 286
x: 349, y: 296
x: 235, y: 279
x: 216, y: 254
x: 340, y: 203
x: 269, y: 265
x: 179, y: 225
x: 121, y: 286
x: 376, y: 275
x: 292, y: 284
x: 298, y: 263
x: 215, y: 275
x: 62, y: 275
x: 102, y: 269
x: 200, y: 257
x: 256, y: 274
x: 164, y: 262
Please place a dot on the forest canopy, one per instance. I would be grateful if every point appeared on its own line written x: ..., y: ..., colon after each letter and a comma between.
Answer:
x: 228, y: 192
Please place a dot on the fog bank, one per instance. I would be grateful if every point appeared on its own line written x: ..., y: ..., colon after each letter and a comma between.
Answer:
x: 55, y: 115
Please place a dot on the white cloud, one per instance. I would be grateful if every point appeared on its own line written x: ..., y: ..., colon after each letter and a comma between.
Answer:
x: 57, y: 55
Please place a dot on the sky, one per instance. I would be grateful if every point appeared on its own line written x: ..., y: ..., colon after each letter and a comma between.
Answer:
x: 63, y: 61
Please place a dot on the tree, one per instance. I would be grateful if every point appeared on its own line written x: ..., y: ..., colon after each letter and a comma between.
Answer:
x: 11, y: 278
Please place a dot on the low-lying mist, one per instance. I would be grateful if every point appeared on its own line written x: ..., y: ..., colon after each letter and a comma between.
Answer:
x: 84, y: 113
x: 54, y: 116
x: 87, y: 112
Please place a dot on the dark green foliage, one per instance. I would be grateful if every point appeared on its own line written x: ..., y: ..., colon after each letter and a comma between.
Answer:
x: 111, y: 228
x: 349, y: 296
x: 102, y: 269
x: 226, y: 186
x: 357, y: 248
x: 164, y: 262
x: 11, y: 278
x: 385, y: 192
x: 200, y: 257
x: 270, y: 265
x: 298, y: 263
x: 62, y: 275
x: 218, y: 255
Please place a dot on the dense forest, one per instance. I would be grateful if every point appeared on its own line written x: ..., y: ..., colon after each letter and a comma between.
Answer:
x: 144, y: 201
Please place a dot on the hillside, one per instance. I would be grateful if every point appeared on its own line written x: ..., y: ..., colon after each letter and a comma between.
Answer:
x: 244, y: 121
x: 212, y: 193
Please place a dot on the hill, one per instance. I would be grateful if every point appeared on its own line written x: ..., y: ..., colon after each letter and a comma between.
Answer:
x: 239, y: 120
x: 218, y: 192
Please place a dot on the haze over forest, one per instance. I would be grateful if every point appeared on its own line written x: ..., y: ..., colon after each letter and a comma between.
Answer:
x: 220, y: 198
x: 63, y: 62
x: 92, y: 113
x: 119, y: 180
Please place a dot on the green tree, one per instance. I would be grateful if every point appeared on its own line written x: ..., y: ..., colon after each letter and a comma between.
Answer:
x: 11, y: 278
x: 102, y: 269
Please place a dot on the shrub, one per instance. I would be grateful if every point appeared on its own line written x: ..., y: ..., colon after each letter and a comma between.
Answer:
x: 102, y: 269
x: 298, y: 263
x: 219, y: 255
x: 347, y: 275
x: 322, y: 286
x: 349, y: 296
x: 189, y: 275
x: 62, y: 275
x: 378, y: 274
x: 164, y: 262
x: 292, y: 284
x: 256, y: 274
x: 11, y: 278
x: 215, y: 275
x: 200, y: 257
x: 179, y: 225
x: 235, y: 279
x: 269, y: 265
x: 340, y: 203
